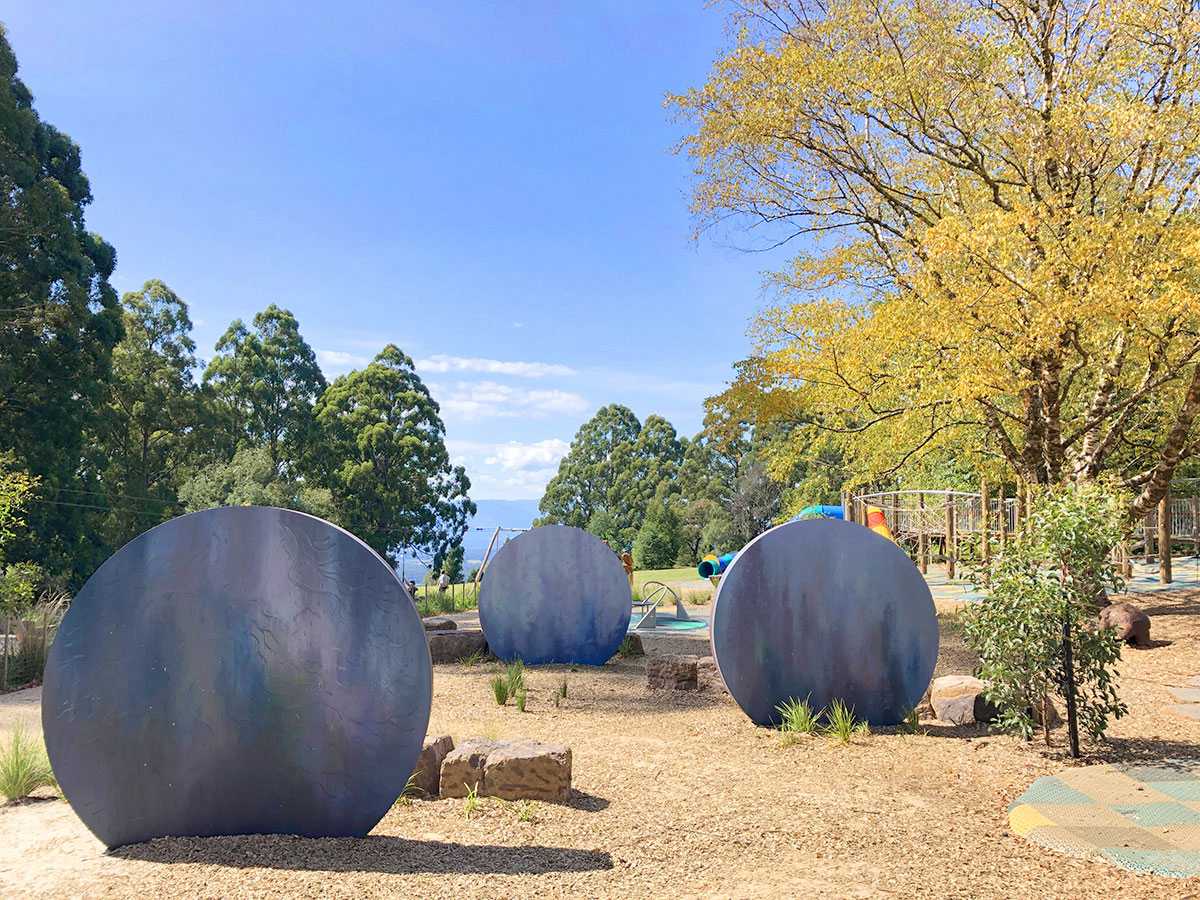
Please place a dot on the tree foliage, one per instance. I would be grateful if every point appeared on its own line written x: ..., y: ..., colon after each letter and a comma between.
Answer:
x: 1035, y: 630
x: 251, y: 478
x: 146, y: 433
x: 269, y: 379
x: 59, y: 317
x: 998, y: 200
x: 383, y: 456
x: 660, y: 538
x: 616, y: 466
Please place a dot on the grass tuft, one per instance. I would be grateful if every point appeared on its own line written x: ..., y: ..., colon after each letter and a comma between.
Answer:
x: 514, y: 675
x: 842, y: 724
x: 521, y: 700
x: 471, y: 801
x: 527, y: 811
x: 797, y: 717
x: 562, y: 689
x: 629, y: 647
x: 500, y: 690
x: 24, y: 767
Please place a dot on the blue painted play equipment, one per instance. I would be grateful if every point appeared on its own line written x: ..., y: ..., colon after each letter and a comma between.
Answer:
x: 820, y: 511
x: 713, y: 565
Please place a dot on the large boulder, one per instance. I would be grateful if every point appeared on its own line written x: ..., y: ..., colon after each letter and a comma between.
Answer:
x: 959, y: 699
x: 1131, y: 624
x: 439, y: 623
x: 510, y: 770
x: 462, y: 767
x: 528, y: 770
x: 427, y: 776
x: 453, y: 646
x: 675, y: 673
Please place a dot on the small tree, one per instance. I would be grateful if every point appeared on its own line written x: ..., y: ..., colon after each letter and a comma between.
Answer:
x: 659, y: 539
x: 1034, y: 631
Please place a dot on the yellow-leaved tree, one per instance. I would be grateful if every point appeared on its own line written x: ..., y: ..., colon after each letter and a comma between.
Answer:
x: 996, y: 202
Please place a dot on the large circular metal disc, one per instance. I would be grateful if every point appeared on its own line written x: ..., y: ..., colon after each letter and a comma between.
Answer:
x: 555, y: 594
x: 237, y: 671
x: 824, y: 610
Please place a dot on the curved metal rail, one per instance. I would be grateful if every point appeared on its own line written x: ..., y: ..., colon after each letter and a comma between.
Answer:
x: 655, y: 593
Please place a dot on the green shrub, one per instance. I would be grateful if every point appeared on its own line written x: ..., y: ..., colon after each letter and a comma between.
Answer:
x: 842, y: 724
x: 797, y: 717
x: 659, y: 539
x: 500, y: 690
x: 514, y: 676
x: 24, y: 767
x: 1033, y: 630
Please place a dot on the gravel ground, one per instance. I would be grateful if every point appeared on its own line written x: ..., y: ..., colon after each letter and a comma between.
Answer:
x: 676, y: 795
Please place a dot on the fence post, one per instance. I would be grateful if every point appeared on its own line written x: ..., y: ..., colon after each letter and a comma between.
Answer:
x: 949, y: 535
x: 1147, y: 546
x: 1164, y: 538
x: 1003, y: 519
x: 1194, y: 508
x: 922, y: 538
x: 984, y: 521
x: 45, y: 612
x: 7, y: 628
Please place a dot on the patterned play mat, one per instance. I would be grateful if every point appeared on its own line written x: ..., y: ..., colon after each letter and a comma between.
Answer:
x: 1145, y: 818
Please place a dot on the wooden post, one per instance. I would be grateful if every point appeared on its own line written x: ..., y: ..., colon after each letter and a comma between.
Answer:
x: 1194, y: 508
x: 984, y: 515
x: 486, y: 554
x: 922, y: 537
x: 949, y: 535
x: 1164, y: 538
x: 1147, y: 548
x: 44, y: 614
x: 7, y: 628
x: 1003, y: 519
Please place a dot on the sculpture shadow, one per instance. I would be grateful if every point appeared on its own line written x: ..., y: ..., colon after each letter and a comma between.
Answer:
x: 381, y: 854
x: 586, y: 802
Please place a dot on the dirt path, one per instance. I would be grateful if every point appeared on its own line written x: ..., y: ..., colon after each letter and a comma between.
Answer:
x: 677, y: 795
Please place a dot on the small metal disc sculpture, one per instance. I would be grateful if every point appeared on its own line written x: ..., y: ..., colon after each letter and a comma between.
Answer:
x: 824, y: 610
x: 555, y: 594
x: 237, y: 671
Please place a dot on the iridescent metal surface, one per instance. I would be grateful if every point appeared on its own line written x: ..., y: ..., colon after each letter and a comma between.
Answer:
x: 824, y: 610
x: 237, y: 671
x: 555, y: 594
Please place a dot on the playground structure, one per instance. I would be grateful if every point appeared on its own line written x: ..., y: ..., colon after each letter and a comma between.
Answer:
x: 934, y: 525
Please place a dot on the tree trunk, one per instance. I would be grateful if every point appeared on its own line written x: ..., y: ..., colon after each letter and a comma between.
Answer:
x: 1164, y: 538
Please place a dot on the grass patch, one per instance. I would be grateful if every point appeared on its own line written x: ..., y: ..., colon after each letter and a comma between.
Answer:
x: 630, y: 647
x: 514, y: 675
x: 500, y: 690
x: 842, y: 724
x: 24, y: 767
x: 474, y: 658
x: 521, y: 700
x: 471, y: 802
x: 797, y: 717
x: 527, y: 811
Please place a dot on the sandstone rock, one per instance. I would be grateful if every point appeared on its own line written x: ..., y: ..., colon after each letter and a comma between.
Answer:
x: 439, y: 623
x: 510, y: 770
x: 1132, y: 625
x: 451, y: 646
x: 427, y: 776
x: 677, y: 673
x: 528, y: 770
x: 959, y: 699
x: 463, y: 767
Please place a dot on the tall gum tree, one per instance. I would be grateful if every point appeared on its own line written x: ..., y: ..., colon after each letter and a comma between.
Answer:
x: 997, y: 205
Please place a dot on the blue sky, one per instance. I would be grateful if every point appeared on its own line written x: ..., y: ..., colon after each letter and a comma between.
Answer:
x: 489, y: 186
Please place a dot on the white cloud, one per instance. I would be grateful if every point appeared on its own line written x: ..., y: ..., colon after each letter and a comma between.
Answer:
x: 337, y: 362
x: 469, y: 401
x: 440, y: 363
x: 511, y: 470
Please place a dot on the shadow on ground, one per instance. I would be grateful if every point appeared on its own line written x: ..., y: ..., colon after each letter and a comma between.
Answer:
x: 384, y: 854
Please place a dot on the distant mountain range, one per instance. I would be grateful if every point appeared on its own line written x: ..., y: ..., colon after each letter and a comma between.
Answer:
x: 489, y: 515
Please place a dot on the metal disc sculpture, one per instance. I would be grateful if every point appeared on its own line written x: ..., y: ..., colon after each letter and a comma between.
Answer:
x: 242, y: 670
x: 555, y: 594
x: 824, y: 610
